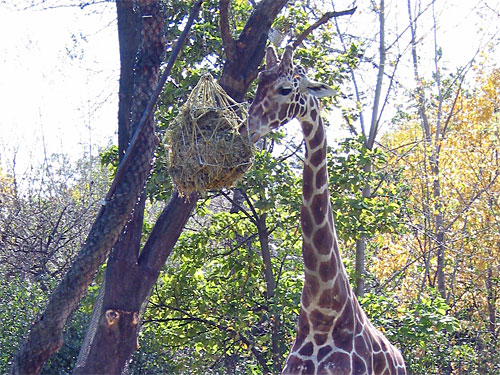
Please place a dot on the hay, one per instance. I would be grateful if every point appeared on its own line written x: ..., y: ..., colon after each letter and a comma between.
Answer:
x: 205, y: 150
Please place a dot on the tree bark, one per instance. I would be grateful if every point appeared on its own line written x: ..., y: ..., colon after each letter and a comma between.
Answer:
x: 110, y: 337
x: 115, y: 338
x: 437, y: 214
x: 439, y: 227
x: 270, y: 287
x: 360, y: 262
x: 245, y: 54
x: 266, y: 255
x: 128, y: 23
x: 45, y: 336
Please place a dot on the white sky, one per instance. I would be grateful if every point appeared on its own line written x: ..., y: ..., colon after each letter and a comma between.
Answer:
x: 57, y: 89
x: 49, y: 98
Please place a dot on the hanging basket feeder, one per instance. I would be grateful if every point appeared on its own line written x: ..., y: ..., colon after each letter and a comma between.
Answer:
x: 205, y: 149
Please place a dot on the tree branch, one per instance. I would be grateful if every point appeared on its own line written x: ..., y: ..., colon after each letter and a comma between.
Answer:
x: 324, y: 19
x: 227, y: 39
x: 166, y: 231
x: 380, y: 75
x: 148, y: 112
x: 252, y: 208
x: 249, y: 49
x: 70, y: 4
x: 237, y: 205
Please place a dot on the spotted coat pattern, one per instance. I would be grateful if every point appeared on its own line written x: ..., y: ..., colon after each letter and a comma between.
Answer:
x: 334, y: 335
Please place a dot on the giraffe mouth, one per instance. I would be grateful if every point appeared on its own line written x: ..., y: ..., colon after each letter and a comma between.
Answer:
x: 253, y: 136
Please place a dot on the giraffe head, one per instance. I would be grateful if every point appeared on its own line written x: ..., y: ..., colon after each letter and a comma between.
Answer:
x: 283, y: 93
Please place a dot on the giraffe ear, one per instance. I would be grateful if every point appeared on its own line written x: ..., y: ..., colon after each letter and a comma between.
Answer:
x: 314, y: 88
x: 271, y: 57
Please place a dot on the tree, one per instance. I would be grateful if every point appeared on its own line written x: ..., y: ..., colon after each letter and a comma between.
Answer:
x: 374, y: 100
x: 130, y: 178
x: 46, y: 335
x: 216, y: 301
x: 468, y: 182
x: 233, y: 73
x: 255, y: 255
x: 44, y: 219
x: 215, y: 307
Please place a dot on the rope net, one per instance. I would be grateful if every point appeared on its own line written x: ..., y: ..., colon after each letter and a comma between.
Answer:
x: 205, y: 149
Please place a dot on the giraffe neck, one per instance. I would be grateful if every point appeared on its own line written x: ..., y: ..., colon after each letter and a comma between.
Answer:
x: 334, y: 335
x: 327, y: 297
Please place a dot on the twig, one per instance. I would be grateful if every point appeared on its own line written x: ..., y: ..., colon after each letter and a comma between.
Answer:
x: 380, y: 76
x: 82, y: 5
x: 231, y: 331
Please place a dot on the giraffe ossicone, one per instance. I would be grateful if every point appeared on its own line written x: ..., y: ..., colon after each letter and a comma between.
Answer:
x: 334, y: 335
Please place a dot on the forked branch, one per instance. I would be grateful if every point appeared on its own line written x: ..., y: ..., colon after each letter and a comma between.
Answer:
x: 324, y: 19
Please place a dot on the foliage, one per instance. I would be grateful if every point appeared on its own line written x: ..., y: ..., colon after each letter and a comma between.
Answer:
x: 212, y: 301
x: 467, y: 178
x: 199, y: 58
x: 213, y: 308
x: 44, y: 219
x: 359, y: 216
x: 109, y: 159
x: 20, y: 304
x: 64, y: 361
x: 423, y: 329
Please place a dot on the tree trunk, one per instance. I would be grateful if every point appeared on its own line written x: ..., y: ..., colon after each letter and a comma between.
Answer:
x: 491, y: 284
x: 270, y: 286
x: 438, y: 242
x: 129, y: 241
x: 360, y: 262
x: 439, y: 228
x: 359, y: 289
x: 266, y: 255
x: 45, y: 336
x: 245, y: 54
x: 115, y: 338
x: 113, y: 334
x: 128, y: 23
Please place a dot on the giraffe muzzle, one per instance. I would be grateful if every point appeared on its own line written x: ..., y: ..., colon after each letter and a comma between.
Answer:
x: 252, y: 135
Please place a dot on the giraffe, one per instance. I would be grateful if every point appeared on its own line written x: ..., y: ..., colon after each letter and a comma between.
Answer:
x: 334, y: 335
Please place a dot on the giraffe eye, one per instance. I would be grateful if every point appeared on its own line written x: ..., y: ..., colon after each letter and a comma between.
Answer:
x: 285, y: 91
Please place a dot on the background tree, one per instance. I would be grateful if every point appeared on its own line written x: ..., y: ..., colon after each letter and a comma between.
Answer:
x: 44, y: 218
x: 129, y: 176
x: 45, y: 336
x: 221, y: 257
x: 468, y: 179
x: 46, y: 215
